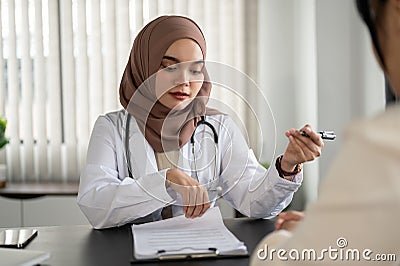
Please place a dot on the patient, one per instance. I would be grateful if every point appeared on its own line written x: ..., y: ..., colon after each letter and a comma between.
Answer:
x: 356, y: 218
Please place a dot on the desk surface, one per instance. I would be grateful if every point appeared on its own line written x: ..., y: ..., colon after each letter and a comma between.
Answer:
x: 26, y: 190
x: 82, y: 245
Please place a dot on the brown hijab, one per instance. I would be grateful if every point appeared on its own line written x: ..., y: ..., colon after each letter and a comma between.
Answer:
x: 163, y: 128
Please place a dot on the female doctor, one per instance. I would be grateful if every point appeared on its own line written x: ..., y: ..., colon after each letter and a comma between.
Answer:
x: 167, y: 154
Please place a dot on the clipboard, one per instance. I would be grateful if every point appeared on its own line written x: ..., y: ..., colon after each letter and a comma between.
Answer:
x: 176, y: 255
x: 179, y: 238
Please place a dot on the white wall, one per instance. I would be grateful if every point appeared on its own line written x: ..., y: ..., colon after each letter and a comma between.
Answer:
x: 275, y: 66
x: 349, y: 84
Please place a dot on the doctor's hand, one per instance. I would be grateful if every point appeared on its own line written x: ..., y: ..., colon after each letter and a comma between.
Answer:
x: 194, y: 195
x: 300, y: 148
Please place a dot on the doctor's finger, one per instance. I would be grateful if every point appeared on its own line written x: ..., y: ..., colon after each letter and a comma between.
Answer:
x: 310, y: 148
x: 305, y: 152
x: 296, y: 147
x: 185, y: 200
x: 195, y: 202
x: 303, y: 139
x: 306, y: 128
x: 192, y: 201
x: 204, y: 203
x: 312, y: 135
x: 198, y: 208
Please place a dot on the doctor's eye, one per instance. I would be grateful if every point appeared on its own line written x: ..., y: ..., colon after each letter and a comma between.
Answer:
x: 170, y: 68
x: 195, y: 72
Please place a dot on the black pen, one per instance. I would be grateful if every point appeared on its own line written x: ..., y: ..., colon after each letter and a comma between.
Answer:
x: 328, y: 135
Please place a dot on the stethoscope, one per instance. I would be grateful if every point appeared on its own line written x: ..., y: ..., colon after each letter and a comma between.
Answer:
x: 202, y: 121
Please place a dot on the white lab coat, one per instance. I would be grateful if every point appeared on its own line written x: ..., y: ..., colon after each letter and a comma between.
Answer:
x: 109, y: 197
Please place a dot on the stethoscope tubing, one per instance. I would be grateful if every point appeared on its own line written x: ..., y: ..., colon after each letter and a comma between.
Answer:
x: 192, y: 141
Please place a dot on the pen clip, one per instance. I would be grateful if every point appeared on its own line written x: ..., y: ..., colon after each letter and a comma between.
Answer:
x: 327, y: 135
x: 176, y: 254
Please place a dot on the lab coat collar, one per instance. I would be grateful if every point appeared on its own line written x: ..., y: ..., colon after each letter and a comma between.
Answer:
x: 141, y: 165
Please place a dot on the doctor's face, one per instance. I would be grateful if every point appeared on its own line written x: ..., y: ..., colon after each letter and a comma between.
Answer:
x: 180, y: 76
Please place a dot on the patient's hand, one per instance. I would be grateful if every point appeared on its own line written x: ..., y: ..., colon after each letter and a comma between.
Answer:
x: 289, y: 220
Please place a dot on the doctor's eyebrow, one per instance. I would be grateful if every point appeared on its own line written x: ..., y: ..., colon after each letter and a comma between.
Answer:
x: 167, y: 57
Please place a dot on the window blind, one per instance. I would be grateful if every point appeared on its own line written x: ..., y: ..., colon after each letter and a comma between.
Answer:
x: 61, y: 62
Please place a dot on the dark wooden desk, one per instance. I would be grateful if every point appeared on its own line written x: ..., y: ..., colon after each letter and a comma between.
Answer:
x: 25, y: 190
x: 82, y: 245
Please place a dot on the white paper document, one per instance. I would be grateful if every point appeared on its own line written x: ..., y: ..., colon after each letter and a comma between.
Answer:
x: 180, y: 235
